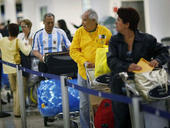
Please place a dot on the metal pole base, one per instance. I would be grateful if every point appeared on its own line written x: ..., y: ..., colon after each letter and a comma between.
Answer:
x: 3, y: 114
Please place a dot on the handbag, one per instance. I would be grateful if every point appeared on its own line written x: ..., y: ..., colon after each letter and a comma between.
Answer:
x: 152, y: 85
x: 61, y: 63
x: 17, y: 57
x: 101, y: 66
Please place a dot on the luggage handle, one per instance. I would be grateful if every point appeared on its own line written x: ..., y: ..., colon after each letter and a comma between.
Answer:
x: 57, y: 53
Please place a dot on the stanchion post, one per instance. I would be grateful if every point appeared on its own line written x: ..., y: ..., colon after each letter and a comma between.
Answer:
x: 21, y: 97
x: 136, y: 112
x: 65, y: 102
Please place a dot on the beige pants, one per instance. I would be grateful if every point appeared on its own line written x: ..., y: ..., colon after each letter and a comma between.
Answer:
x: 14, y: 88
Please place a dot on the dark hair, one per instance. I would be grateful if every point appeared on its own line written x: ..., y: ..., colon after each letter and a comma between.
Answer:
x: 48, y: 15
x: 13, y: 29
x: 62, y: 24
x: 129, y: 15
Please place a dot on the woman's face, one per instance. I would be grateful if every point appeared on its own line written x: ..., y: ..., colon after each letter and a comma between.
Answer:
x: 120, y: 26
x: 25, y: 28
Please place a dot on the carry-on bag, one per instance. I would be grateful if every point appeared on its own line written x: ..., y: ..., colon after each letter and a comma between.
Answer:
x: 60, y: 63
x: 104, y: 117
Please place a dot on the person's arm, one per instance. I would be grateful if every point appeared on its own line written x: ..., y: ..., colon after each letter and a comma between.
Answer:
x: 159, y: 53
x: 35, y: 48
x: 25, y: 48
x: 75, y: 50
x: 38, y: 55
x: 108, y: 36
x: 76, y: 25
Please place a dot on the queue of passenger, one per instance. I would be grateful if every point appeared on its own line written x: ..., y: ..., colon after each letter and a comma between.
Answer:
x: 125, y: 50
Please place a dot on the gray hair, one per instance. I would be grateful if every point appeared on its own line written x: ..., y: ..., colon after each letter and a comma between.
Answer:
x: 92, y: 14
x: 48, y: 15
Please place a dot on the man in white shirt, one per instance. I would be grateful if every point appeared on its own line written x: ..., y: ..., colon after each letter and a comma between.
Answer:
x: 48, y: 40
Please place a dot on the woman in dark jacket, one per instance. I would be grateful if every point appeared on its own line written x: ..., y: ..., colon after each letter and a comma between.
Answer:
x: 125, y: 50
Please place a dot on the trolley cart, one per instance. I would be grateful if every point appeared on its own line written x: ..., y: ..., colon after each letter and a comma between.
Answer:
x: 60, y: 63
x: 132, y: 92
x: 94, y: 100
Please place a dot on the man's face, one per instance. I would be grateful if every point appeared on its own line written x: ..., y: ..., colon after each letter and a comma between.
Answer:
x: 88, y: 24
x: 49, y: 23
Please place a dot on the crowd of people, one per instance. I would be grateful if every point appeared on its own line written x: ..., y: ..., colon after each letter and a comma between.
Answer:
x: 125, y: 50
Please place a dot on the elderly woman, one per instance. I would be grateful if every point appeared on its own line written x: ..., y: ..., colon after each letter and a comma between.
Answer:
x: 125, y: 50
x: 10, y: 46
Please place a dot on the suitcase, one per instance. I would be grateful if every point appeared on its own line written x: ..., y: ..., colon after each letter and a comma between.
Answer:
x: 60, y: 63
x: 104, y: 117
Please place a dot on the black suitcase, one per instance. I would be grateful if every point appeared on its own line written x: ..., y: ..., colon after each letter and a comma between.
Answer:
x: 60, y: 63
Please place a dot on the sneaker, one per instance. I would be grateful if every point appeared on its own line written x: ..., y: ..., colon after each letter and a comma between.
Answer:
x: 103, y: 79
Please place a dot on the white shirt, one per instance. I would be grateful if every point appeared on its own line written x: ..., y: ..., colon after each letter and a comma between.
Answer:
x: 21, y: 36
x: 47, y: 43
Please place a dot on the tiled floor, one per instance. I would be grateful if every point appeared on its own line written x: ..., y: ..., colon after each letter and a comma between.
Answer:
x: 33, y: 119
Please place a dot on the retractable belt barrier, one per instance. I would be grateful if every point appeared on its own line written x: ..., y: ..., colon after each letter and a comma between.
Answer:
x: 113, y: 97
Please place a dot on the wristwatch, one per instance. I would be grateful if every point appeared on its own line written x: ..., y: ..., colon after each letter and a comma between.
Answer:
x: 43, y: 58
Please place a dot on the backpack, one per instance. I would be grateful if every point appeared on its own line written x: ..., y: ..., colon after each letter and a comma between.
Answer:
x: 104, y: 115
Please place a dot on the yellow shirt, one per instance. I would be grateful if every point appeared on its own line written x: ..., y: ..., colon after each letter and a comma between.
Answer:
x: 8, y: 50
x: 84, y: 45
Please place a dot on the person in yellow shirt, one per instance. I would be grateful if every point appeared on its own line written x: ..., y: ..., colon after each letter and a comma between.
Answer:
x: 8, y: 46
x: 86, y: 40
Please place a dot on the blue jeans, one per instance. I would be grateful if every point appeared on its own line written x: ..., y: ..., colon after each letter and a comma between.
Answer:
x: 84, y: 104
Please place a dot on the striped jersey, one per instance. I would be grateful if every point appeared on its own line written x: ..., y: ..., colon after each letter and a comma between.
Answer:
x: 47, y: 43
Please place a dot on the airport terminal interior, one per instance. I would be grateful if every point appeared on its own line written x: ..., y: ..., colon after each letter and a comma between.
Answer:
x: 155, y: 20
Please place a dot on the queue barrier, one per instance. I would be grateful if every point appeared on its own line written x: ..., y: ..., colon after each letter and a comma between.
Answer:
x: 66, y: 82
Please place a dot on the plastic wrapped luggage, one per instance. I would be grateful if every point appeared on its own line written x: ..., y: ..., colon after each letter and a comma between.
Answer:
x: 50, y: 99
x: 60, y: 63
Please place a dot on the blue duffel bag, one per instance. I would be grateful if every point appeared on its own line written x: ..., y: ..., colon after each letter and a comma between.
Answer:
x: 50, y: 98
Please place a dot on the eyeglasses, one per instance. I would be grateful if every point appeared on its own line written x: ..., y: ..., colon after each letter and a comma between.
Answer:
x: 24, y: 26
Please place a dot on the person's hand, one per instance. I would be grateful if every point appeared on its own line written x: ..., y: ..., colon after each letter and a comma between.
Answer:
x: 89, y: 65
x: 134, y: 67
x: 154, y: 63
x: 41, y: 58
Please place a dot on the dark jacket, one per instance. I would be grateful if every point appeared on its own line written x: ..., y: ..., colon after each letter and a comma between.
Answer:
x: 144, y: 45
